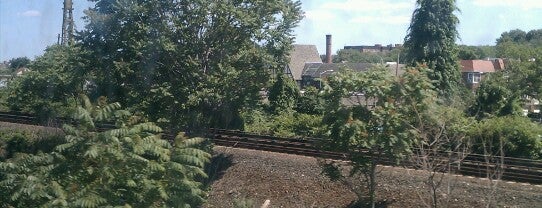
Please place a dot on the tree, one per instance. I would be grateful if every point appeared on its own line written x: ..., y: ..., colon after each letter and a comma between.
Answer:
x: 129, y: 165
x: 519, y: 45
x: 370, y: 134
x: 507, y: 136
x: 498, y: 95
x: 467, y: 53
x: 520, y: 137
x: 517, y: 36
x: 534, y: 37
x: 16, y: 63
x: 441, y: 134
x: 180, y: 60
x: 283, y: 94
x: 431, y: 40
x: 310, y: 102
x: 51, y: 87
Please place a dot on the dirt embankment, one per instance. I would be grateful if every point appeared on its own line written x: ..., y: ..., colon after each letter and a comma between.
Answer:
x: 296, y: 181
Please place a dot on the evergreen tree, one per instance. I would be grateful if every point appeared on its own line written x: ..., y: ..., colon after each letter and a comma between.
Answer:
x: 431, y: 40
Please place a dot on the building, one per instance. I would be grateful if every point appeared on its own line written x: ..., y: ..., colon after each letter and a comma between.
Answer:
x: 301, y: 55
x: 4, y: 78
x: 374, y: 49
x: 21, y: 71
x: 474, y: 71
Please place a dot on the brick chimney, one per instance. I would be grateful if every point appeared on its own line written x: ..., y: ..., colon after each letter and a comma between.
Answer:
x: 328, y: 49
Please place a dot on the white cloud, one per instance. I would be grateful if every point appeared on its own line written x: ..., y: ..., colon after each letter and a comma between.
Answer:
x: 400, y: 20
x: 369, y: 5
x: 319, y: 15
x: 30, y: 13
x: 523, y: 4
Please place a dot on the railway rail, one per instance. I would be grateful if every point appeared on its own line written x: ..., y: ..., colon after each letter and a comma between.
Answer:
x: 514, y: 169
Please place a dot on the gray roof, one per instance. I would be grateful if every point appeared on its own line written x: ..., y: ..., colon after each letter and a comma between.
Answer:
x: 318, y: 70
x: 301, y: 55
x: 324, y: 69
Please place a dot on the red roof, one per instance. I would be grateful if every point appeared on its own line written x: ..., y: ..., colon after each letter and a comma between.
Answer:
x: 481, y: 65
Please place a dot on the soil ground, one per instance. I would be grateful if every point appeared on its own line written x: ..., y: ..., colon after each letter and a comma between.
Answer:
x: 296, y: 181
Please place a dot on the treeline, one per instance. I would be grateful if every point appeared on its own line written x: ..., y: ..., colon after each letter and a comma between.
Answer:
x: 516, y: 44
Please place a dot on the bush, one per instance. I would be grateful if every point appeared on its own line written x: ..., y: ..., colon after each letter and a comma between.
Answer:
x: 520, y: 136
x: 14, y: 140
x: 284, y: 124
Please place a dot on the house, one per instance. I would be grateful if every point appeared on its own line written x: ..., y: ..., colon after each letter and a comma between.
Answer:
x: 301, y: 55
x: 530, y: 105
x: 473, y: 71
x: 4, y: 78
x: 21, y: 71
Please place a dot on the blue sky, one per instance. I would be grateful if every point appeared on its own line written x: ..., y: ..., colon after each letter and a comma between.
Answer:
x: 28, y: 26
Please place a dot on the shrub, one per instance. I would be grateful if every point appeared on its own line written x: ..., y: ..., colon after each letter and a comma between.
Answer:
x: 520, y: 136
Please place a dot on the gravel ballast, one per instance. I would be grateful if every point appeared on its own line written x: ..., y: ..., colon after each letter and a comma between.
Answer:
x: 296, y: 181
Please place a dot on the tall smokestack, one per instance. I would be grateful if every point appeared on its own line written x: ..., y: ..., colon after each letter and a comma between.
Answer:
x: 328, y: 49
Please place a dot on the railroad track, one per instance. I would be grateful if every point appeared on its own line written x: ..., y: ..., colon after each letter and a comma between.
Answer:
x: 515, y: 169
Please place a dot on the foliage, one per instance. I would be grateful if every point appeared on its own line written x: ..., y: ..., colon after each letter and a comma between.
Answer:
x: 190, y: 64
x: 497, y: 96
x: 476, y: 52
x: 286, y: 124
x: 502, y: 93
x: 431, y: 40
x: 283, y: 94
x: 16, y: 63
x: 520, y: 36
x: 520, y: 137
x: 310, y: 102
x: 520, y: 45
x: 441, y: 143
x: 126, y: 166
x: 53, y: 84
x: 19, y: 141
x: 370, y: 133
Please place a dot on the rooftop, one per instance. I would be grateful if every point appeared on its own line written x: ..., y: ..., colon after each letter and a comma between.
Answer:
x: 301, y: 55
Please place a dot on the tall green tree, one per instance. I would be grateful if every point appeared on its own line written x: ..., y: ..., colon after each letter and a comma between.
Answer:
x: 179, y: 60
x: 431, y: 40
x: 129, y: 165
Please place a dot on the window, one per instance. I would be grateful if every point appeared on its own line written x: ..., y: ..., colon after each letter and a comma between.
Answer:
x: 474, y: 77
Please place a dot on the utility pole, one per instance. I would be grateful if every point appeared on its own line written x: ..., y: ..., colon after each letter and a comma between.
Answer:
x: 67, y: 23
